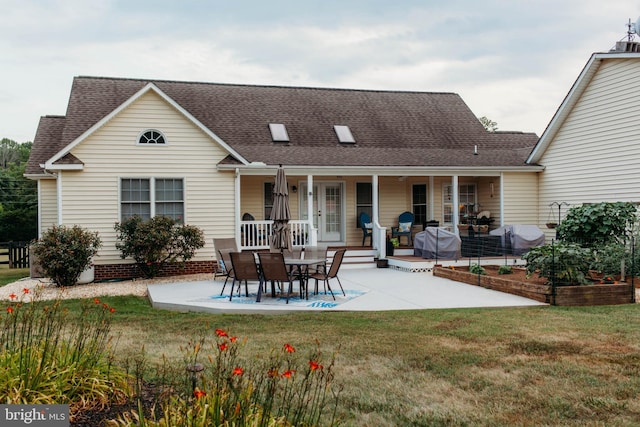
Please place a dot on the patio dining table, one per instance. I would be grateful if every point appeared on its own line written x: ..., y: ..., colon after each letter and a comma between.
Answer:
x: 302, y: 265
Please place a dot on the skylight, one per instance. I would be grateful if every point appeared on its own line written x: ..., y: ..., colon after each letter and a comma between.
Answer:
x: 344, y: 134
x: 278, y: 132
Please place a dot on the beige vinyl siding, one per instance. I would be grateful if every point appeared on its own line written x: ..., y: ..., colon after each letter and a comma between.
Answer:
x: 520, y: 198
x: 48, y: 203
x: 594, y: 157
x: 91, y: 197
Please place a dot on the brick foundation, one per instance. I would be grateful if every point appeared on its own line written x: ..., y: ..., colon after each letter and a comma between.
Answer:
x: 127, y: 271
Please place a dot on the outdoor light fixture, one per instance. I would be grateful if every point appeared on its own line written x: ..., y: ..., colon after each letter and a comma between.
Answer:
x: 294, y: 189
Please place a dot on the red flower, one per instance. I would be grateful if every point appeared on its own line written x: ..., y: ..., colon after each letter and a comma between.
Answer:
x: 314, y: 365
x: 221, y: 333
x: 96, y: 301
x: 233, y: 339
x: 13, y: 296
x: 289, y: 348
x: 25, y: 290
x: 9, y: 310
x: 112, y: 310
x: 288, y: 373
x: 223, y: 346
x: 238, y: 371
x: 199, y: 393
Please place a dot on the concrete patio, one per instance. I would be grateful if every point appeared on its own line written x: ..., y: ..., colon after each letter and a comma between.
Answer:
x: 367, y: 289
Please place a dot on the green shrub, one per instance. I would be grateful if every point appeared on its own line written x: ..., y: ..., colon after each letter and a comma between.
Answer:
x: 156, y: 242
x: 476, y: 268
x: 561, y: 263
x: 505, y: 269
x: 65, y: 252
x: 598, y: 224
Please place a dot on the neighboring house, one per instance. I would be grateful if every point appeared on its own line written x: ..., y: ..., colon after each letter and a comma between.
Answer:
x: 208, y: 153
x: 591, y: 148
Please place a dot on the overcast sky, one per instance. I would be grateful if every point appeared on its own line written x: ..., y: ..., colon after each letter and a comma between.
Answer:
x: 511, y: 61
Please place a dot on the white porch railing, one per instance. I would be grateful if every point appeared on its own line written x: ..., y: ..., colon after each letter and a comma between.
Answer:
x: 256, y: 234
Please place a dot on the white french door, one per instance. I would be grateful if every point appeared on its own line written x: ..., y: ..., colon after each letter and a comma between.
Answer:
x: 328, y: 202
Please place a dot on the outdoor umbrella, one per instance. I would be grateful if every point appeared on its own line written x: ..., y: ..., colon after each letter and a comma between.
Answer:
x: 280, y: 213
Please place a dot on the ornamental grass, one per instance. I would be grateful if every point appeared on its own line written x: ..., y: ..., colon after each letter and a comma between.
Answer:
x: 48, y: 356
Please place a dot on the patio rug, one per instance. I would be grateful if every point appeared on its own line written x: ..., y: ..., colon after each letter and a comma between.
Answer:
x: 315, y: 301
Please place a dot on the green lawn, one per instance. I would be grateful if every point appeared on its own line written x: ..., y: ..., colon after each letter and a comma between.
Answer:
x: 513, y: 366
x: 9, y: 275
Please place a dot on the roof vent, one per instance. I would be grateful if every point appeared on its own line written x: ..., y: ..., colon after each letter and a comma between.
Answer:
x: 278, y: 132
x: 344, y: 134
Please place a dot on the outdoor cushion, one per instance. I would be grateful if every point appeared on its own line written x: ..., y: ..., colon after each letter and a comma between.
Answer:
x: 368, y: 225
x: 404, y: 227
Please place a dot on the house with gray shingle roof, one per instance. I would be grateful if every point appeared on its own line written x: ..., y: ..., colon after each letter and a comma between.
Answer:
x: 207, y: 154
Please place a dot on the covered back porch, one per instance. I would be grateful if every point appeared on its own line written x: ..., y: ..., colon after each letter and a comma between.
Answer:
x: 337, y: 199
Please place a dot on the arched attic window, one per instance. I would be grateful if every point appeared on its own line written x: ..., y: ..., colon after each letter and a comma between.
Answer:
x: 151, y: 136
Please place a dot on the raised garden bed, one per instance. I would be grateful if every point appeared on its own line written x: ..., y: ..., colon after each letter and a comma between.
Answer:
x: 537, y: 289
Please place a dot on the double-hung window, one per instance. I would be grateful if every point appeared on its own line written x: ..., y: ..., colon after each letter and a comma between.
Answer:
x: 364, y: 200
x: 268, y: 199
x: 419, y: 203
x: 149, y: 197
x: 466, y: 200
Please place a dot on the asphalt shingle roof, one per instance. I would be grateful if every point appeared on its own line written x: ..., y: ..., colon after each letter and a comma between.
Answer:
x: 391, y: 128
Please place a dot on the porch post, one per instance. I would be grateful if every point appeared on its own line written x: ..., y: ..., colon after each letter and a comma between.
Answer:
x: 236, y: 219
x: 313, y: 238
x: 377, y: 238
x: 456, y: 202
x: 501, y: 193
x: 59, y: 189
x: 431, y: 212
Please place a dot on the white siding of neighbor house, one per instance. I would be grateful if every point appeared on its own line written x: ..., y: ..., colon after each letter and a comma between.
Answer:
x: 91, y: 197
x: 595, y: 155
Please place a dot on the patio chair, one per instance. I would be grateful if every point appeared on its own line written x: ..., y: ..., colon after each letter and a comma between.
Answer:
x: 274, y: 270
x: 226, y: 244
x: 244, y: 268
x: 316, y: 252
x: 405, y: 222
x: 224, y: 255
x: 332, y: 273
x: 365, y: 224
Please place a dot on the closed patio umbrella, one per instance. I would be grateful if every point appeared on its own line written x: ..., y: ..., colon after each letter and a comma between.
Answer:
x: 280, y: 213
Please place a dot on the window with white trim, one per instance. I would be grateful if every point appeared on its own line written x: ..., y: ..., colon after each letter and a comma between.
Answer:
x: 151, y: 136
x: 364, y: 200
x: 466, y: 202
x: 149, y: 197
x: 419, y: 203
x: 268, y: 199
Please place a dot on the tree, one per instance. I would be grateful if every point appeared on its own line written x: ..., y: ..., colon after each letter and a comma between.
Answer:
x: 18, y: 195
x: 488, y: 124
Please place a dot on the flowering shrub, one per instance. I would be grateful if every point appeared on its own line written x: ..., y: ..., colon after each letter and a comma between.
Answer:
x: 283, y: 388
x: 65, y: 252
x: 156, y: 242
